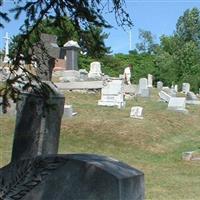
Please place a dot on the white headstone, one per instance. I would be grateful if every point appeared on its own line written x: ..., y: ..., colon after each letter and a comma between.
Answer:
x: 164, y: 96
x: 176, y: 88
x: 95, y: 70
x: 185, y: 87
x: 177, y: 104
x: 191, y: 98
x: 159, y: 85
x: 137, y: 112
x: 127, y: 75
x: 150, y: 80
x: 143, y: 88
x: 112, y: 94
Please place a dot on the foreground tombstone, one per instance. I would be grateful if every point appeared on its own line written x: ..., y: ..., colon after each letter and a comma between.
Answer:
x: 71, y: 177
x: 37, y: 125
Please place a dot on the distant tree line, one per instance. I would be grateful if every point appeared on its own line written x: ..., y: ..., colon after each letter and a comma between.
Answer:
x: 176, y: 59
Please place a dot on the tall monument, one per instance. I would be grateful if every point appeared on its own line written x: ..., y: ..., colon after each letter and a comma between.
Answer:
x: 7, y: 39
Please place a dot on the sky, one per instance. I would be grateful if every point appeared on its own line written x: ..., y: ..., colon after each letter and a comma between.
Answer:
x: 158, y: 16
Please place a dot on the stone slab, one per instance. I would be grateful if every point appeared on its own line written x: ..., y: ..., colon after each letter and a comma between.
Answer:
x: 177, y: 104
x: 80, y: 85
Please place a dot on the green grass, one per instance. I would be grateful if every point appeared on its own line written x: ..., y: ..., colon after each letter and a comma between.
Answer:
x: 153, y: 145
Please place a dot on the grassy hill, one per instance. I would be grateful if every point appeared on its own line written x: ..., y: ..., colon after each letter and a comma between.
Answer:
x: 153, y: 145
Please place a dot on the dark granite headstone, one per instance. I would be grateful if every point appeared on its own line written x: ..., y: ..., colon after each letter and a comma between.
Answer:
x: 71, y: 177
x: 46, y: 51
x: 37, y: 125
x: 72, y: 49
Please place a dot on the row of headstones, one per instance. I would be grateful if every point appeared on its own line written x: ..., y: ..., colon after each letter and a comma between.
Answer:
x: 175, y: 103
x: 94, y: 73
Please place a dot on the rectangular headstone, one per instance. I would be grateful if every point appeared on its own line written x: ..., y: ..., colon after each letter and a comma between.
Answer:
x: 112, y: 94
x: 177, y: 104
x: 150, y: 80
x: 137, y: 112
x: 185, y: 87
x: 38, y: 123
x: 159, y: 85
x: 144, y: 90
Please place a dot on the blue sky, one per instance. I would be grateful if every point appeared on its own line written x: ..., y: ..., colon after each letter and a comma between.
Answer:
x: 159, y: 17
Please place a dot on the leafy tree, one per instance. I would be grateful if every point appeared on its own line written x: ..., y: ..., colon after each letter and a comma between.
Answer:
x: 147, y: 43
x: 91, y: 40
x: 188, y: 25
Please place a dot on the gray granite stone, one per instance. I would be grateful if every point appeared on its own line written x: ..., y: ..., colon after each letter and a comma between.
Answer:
x: 46, y: 51
x: 37, y: 124
x: 71, y: 177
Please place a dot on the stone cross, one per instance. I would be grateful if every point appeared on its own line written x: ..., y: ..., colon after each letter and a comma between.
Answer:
x: 46, y: 51
x: 7, y: 39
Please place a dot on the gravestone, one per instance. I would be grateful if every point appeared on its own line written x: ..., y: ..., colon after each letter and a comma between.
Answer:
x: 150, y: 80
x: 144, y: 91
x: 71, y: 177
x: 68, y: 111
x: 159, y: 85
x: 112, y: 94
x: 191, y: 98
x: 176, y: 88
x: 37, y: 124
x: 185, y: 87
x: 137, y: 112
x: 177, y: 104
x: 95, y: 70
x: 83, y: 74
x: 72, y: 49
x: 45, y: 51
x: 164, y: 96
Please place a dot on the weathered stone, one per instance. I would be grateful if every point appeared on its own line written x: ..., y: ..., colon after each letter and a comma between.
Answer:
x: 112, y: 94
x: 185, y: 87
x: 46, y: 51
x: 68, y: 111
x: 144, y: 91
x: 177, y: 104
x: 159, y: 85
x: 150, y: 80
x: 80, y: 85
x: 137, y: 112
x: 72, y: 49
x: 191, y: 98
x: 37, y: 124
x: 71, y: 177
x: 95, y: 70
x: 164, y: 96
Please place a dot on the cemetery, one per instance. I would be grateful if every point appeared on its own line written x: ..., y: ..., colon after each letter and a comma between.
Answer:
x: 80, y: 123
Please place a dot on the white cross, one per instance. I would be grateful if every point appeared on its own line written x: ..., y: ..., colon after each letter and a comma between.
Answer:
x: 7, y: 39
